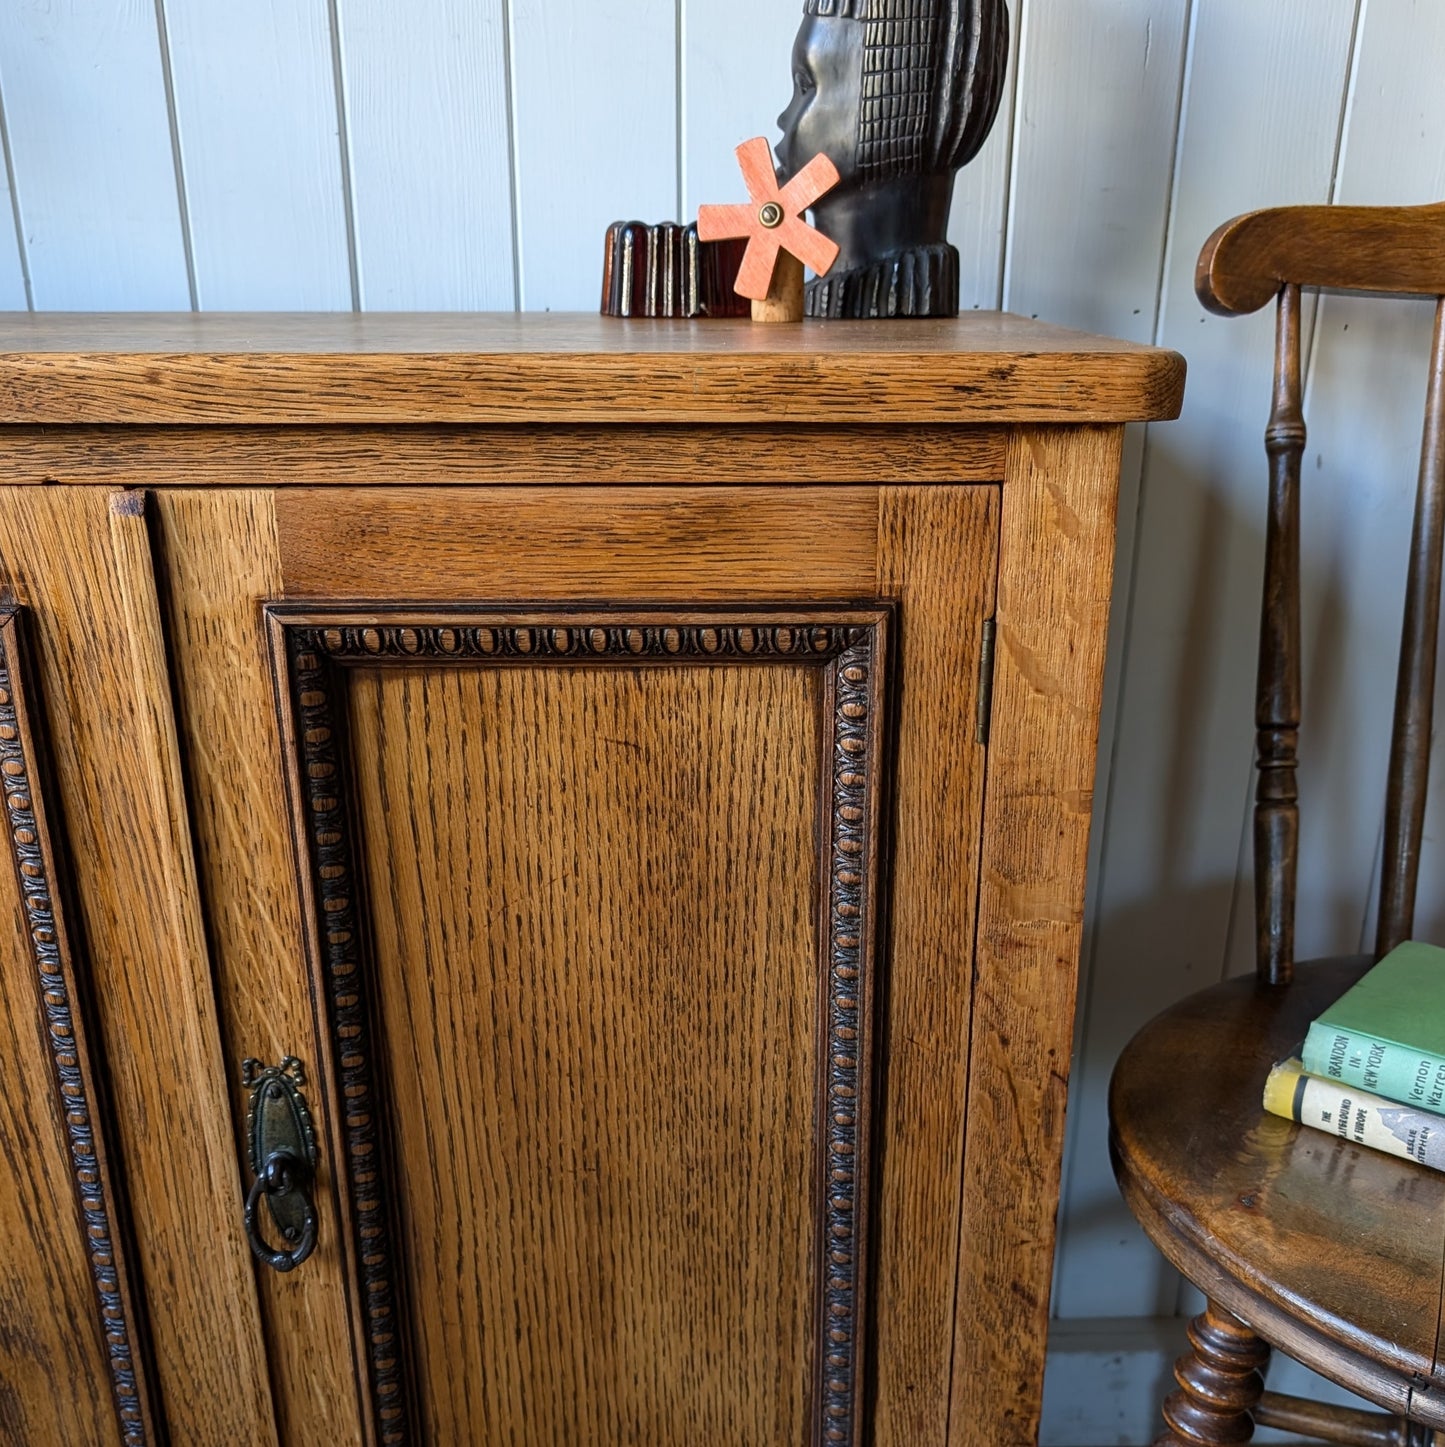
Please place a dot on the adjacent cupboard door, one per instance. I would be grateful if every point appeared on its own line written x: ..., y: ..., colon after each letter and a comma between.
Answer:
x: 599, y: 868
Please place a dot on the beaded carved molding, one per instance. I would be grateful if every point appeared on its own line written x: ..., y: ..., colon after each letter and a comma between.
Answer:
x: 313, y: 647
x: 29, y: 833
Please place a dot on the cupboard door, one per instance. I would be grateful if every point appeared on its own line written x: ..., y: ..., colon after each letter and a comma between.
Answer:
x: 593, y: 902
x: 588, y: 891
x: 79, y: 561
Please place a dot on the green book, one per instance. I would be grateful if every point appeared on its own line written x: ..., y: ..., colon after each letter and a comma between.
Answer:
x: 1386, y: 1034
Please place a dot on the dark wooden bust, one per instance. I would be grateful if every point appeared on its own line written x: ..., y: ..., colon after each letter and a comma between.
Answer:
x: 900, y: 94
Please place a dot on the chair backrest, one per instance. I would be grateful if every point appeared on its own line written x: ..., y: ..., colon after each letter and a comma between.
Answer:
x: 1395, y: 250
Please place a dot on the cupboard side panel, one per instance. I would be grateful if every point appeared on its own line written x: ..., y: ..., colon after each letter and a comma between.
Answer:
x: 937, y: 553
x: 221, y: 562
x: 81, y: 560
x: 1056, y: 552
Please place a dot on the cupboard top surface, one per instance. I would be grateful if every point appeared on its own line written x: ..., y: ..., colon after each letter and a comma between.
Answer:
x: 314, y: 368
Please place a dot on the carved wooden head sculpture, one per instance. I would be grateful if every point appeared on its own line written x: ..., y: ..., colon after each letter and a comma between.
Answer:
x: 899, y: 94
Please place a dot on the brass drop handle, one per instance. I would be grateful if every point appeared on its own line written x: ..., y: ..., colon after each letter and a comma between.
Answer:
x: 282, y: 1175
x: 281, y: 1145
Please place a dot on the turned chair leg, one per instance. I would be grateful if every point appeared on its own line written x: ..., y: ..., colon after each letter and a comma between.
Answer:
x: 1220, y: 1381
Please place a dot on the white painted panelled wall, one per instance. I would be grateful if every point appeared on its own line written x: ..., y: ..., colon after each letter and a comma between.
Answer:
x: 460, y: 154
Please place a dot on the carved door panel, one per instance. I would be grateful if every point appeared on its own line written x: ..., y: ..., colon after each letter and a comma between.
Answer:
x: 608, y: 858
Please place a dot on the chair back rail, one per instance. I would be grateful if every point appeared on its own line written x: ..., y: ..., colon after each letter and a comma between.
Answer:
x: 1393, y: 249
x: 1276, y: 253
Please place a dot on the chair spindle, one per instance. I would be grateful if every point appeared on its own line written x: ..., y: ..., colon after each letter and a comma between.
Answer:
x: 1415, y: 689
x: 1325, y: 1422
x: 1277, y: 716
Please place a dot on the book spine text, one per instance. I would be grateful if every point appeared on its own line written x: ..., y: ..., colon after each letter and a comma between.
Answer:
x: 1379, y: 1066
x: 1356, y: 1115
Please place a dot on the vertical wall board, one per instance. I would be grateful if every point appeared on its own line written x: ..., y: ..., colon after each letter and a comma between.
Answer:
x: 735, y: 77
x: 12, y: 266
x: 979, y: 219
x: 1365, y: 409
x: 1266, y: 85
x: 425, y: 95
x: 1094, y: 146
x: 595, y: 98
x: 256, y: 117
x: 90, y: 141
x: 12, y: 273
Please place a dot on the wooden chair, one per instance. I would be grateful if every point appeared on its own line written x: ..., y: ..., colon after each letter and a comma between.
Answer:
x: 1329, y: 1252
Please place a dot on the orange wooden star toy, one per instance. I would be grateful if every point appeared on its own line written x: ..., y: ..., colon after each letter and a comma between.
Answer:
x: 774, y: 225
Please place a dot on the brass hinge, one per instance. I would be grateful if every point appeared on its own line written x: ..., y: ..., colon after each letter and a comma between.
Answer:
x: 985, y: 682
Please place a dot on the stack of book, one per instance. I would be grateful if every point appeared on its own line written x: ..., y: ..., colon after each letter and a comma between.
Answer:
x: 1372, y: 1069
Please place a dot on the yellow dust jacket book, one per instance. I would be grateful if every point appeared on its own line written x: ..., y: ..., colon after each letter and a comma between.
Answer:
x: 1355, y: 1115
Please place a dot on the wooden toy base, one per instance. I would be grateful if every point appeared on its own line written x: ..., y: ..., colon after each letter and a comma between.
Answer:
x: 784, y: 301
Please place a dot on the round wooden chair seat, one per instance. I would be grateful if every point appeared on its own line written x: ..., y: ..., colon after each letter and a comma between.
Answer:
x: 1330, y: 1251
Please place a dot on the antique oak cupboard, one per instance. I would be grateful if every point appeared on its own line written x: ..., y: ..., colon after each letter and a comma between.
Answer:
x: 631, y: 781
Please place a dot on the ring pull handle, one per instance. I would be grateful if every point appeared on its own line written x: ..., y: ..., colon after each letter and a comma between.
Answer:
x: 283, y: 1175
x: 281, y: 1146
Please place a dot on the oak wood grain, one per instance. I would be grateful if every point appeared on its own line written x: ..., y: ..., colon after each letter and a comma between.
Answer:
x: 938, y: 555
x: 80, y: 558
x: 352, y: 456
x: 379, y: 368
x: 1055, y: 566
x: 220, y: 561
x: 602, y: 1060
x: 73, y: 1360
x: 57, y: 1387
x: 692, y: 544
